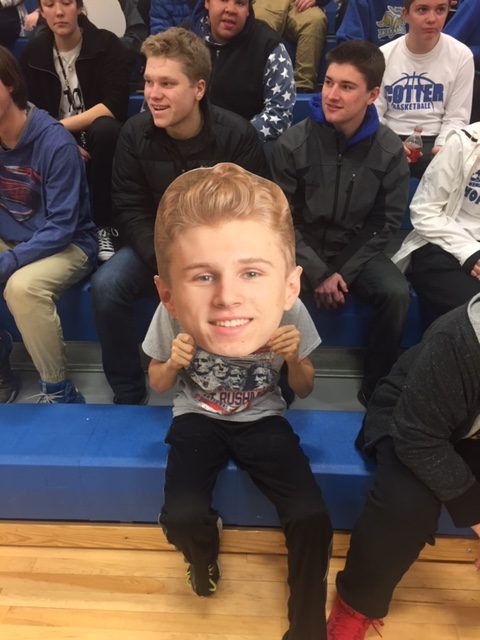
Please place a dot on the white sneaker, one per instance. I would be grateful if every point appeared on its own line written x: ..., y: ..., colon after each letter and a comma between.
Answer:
x: 105, y: 243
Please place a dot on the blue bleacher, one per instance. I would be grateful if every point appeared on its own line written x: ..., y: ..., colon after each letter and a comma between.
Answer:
x: 300, y: 110
x: 105, y: 463
x: 348, y: 326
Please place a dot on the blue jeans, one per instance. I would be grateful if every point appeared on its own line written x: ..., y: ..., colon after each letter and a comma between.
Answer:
x: 116, y: 285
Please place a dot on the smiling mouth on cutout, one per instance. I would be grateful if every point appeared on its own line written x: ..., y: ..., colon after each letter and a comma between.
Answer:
x: 235, y: 322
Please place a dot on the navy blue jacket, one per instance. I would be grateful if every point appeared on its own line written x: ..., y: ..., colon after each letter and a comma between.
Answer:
x: 465, y: 26
x: 377, y: 21
x: 169, y: 13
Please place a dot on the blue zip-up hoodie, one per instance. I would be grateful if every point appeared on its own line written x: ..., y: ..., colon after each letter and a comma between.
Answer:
x: 465, y: 26
x: 44, y: 199
x: 378, y: 21
x: 367, y: 129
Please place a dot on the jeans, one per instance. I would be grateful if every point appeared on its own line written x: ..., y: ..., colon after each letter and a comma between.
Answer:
x: 116, y: 285
x: 269, y: 450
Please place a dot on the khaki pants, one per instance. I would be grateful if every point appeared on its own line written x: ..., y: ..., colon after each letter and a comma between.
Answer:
x: 31, y: 293
x: 306, y: 29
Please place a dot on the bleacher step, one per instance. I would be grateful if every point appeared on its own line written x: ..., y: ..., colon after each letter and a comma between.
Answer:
x: 86, y: 356
x: 106, y: 463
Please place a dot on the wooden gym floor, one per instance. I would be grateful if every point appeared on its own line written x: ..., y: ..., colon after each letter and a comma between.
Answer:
x: 82, y: 582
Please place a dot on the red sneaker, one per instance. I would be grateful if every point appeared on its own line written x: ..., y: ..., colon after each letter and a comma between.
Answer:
x: 346, y: 624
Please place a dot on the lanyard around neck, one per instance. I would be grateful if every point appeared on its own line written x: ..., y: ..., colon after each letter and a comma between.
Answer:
x: 79, y: 106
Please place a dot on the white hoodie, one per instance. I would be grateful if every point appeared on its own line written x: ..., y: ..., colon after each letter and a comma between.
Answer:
x: 438, y: 200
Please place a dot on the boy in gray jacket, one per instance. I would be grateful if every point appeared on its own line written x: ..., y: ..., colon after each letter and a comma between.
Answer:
x: 346, y: 179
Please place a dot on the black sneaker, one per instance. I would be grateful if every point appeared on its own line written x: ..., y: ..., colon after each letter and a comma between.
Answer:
x: 203, y: 581
x: 8, y: 382
x: 106, y: 248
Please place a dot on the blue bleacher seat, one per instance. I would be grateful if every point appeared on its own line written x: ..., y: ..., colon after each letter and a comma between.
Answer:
x: 348, y: 326
x: 135, y: 104
x: 106, y: 463
x: 300, y: 109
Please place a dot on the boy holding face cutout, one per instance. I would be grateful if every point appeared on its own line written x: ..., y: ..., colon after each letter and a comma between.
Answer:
x: 229, y: 289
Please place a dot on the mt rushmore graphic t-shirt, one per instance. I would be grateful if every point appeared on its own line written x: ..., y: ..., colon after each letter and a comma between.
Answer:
x: 234, y: 388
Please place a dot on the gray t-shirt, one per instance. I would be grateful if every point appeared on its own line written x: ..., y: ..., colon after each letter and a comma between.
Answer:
x: 241, y: 389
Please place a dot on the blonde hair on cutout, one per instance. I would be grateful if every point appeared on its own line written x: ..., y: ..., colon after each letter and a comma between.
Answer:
x: 214, y: 195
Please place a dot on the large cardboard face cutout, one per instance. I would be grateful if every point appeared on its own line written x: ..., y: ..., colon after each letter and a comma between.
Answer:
x: 229, y: 285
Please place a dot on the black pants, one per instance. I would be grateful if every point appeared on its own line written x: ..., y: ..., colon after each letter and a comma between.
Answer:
x: 9, y: 26
x: 384, y: 287
x: 101, y: 142
x: 439, y: 281
x: 269, y: 451
x: 399, y: 518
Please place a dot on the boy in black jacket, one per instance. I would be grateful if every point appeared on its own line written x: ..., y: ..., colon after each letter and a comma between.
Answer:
x: 178, y: 132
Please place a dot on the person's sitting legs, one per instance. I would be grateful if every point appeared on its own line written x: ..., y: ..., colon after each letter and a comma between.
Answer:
x: 273, y: 13
x: 308, y: 29
x: 10, y: 26
x: 382, y: 285
x: 101, y: 141
x: 401, y: 514
x: 439, y: 281
x: 115, y: 287
x: 8, y: 381
x: 31, y: 293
